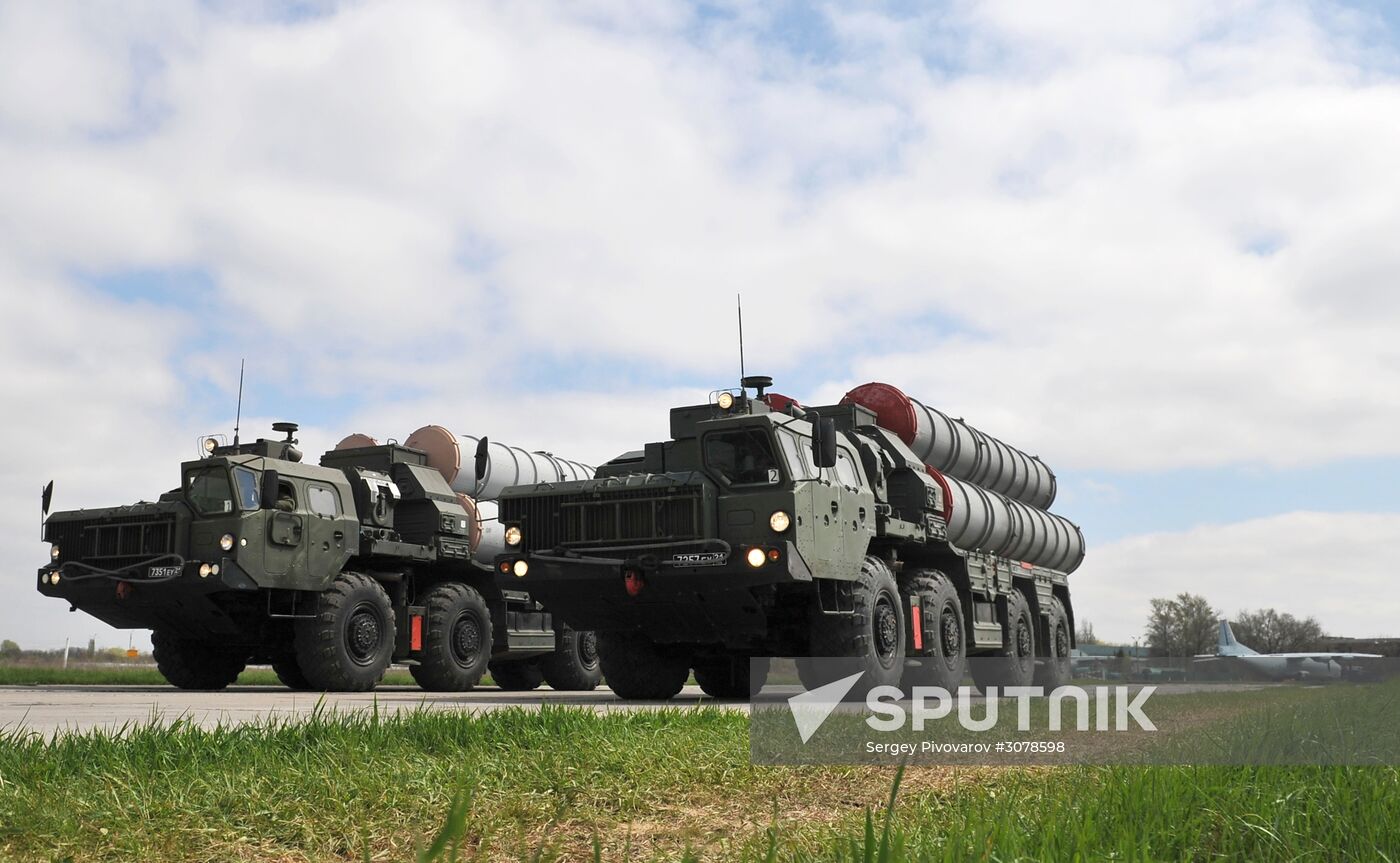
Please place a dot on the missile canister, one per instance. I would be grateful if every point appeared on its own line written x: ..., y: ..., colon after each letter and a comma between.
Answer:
x: 455, y: 457
x: 982, y: 520
x: 956, y: 448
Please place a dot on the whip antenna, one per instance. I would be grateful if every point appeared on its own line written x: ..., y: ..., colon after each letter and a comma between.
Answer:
x: 740, y: 299
x: 238, y: 417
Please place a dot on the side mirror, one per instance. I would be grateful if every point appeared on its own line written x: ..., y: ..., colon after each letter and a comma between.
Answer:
x: 267, y: 494
x: 823, y: 441
x: 48, y: 496
x: 481, y: 460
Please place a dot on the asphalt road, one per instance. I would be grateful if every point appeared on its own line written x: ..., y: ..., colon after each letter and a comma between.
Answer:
x: 53, y: 709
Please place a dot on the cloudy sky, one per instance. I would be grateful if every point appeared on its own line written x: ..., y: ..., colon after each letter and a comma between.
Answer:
x: 1155, y: 245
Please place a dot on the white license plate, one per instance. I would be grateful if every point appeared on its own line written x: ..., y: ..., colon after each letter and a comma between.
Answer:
x: 701, y: 558
x: 163, y: 572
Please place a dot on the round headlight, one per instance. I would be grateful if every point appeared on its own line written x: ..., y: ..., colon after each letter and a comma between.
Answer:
x: 44, y: 578
x: 210, y: 444
x: 725, y: 401
x: 53, y: 552
x: 204, y: 570
x: 512, y: 535
x: 226, y: 542
x: 779, y: 521
x: 53, y: 578
x: 756, y: 557
x: 521, y: 568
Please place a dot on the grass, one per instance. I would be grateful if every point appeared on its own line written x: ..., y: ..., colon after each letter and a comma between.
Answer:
x: 120, y: 675
x: 564, y: 783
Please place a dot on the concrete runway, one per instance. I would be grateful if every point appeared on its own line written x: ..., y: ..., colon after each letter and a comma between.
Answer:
x: 51, y: 710
x: 54, y: 709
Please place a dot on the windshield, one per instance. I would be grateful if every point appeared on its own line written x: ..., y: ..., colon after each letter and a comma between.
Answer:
x: 742, y: 457
x: 208, y: 490
x: 247, y: 482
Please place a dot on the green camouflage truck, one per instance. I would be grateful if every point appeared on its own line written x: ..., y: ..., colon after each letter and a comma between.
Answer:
x: 878, y: 531
x: 330, y: 572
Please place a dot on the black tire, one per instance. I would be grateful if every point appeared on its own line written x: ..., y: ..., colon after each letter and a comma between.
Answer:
x: 1014, y: 664
x: 456, y: 639
x: 943, y: 660
x: 573, y: 666
x: 729, y: 677
x: 636, y: 668
x: 517, y: 676
x: 1054, y: 668
x: 289, y: 673
x: 191, y: 664
x: 348, y: 645
x: 870, y: 639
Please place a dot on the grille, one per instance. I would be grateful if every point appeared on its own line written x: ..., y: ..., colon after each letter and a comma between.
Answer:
x: 112, y: 541
x: 610, y: 517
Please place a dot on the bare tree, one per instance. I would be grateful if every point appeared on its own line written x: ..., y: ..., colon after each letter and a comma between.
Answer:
x: 1184, y: 626
x: 1085, y: 633
x: 1268, y: 631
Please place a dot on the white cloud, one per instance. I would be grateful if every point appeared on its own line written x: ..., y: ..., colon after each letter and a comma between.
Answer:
x: 1332, y: 566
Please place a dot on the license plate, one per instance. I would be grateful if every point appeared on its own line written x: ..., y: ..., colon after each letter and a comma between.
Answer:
x: 699, y: 558
x: 163, y: 572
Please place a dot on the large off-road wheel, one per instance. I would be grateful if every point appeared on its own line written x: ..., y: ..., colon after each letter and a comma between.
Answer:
x: 518, y: 675
x: 869, y: 639
x: 943, y: 660
x: 456, y: 639
x: 636, y: 668
x: 287, y: 671
x: 728, y: 676
x: 349, y: 643
x: 1053, y: 670
x: 1014, y: 664
x: 573, y: 666
x: 191, y: 664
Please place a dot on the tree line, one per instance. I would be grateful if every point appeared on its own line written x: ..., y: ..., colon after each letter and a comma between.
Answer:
x: 1188, y: 625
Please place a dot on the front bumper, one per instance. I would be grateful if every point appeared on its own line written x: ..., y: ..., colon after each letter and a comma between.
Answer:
x: 689, y: 592
x: 134, y: 598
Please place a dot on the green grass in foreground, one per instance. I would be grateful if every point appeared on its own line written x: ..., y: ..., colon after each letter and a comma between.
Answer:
x: 550, y: 784
x: 119, y: 675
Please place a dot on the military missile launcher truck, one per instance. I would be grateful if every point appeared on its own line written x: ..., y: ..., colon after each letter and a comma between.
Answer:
x: 329, y: 572
x: 877, y: 530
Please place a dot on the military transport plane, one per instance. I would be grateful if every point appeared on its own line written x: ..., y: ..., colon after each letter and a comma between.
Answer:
x: 1285, y: 666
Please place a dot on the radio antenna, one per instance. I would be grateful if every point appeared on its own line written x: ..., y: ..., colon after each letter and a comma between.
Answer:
x: 238, y: 417
x: 740, y: 299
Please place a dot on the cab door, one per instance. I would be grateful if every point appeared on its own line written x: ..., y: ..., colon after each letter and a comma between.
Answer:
x: 286, y: 529
x: 328, y: 531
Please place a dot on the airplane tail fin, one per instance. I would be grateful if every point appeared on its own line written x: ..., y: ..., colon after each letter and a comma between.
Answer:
x: 1228, y: 645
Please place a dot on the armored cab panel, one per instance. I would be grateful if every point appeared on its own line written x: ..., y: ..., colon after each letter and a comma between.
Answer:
x: 627, y: 463
x: 380, y: 458
x: 429, y: 507
x: 684, y: 421
x: 848, y: 417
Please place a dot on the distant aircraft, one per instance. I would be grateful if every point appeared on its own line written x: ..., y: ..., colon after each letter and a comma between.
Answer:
x: 1284, y: 666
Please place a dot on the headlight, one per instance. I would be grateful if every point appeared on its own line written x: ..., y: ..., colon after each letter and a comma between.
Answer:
x: 521, y: 568
x: 53, y: 578
x: 226, y: 542
x: 513, y: 535
x: 53, y: 552
x: 756, y: 557
x: 779, y: 521
x: 44, y: 578
x: 204, y: 570
x: 725, y: 401
x: 209, y: 445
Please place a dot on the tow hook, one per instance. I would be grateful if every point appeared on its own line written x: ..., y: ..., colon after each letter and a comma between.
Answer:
x: 634, y: 581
